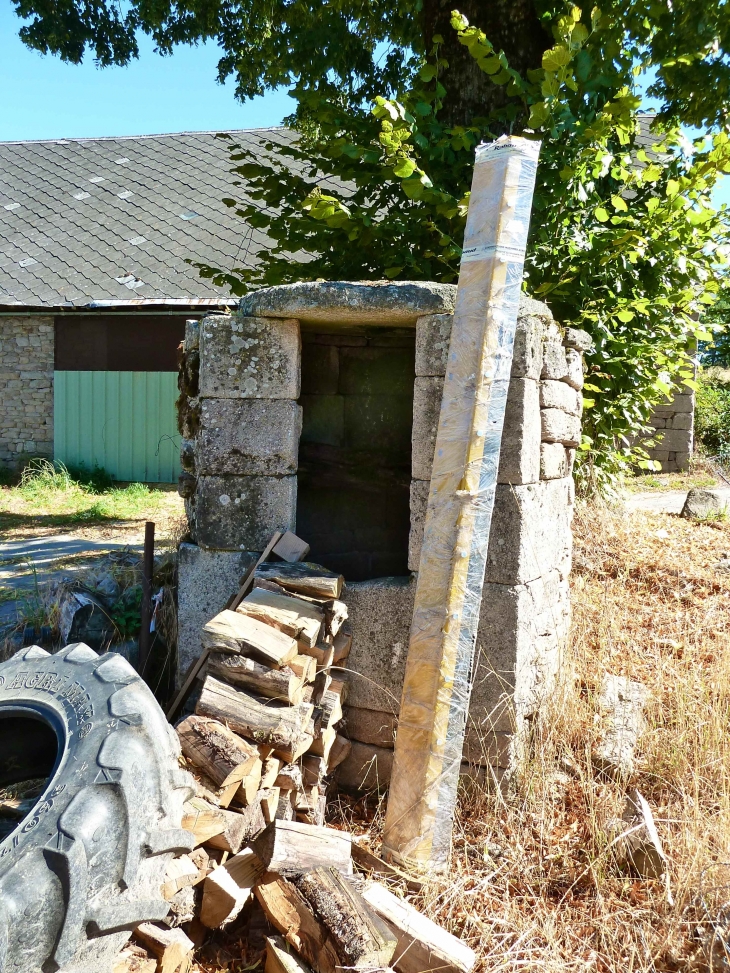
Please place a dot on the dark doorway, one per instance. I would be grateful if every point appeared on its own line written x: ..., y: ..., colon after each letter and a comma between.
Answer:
x: 355, y: 453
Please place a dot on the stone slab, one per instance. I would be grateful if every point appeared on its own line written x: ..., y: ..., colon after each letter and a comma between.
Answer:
x: 580, y: 340
x: 559, y: 427
x: 206, y: 580
x: 519, y: 457
x: 242, y: 512
x: 248, y: 437
x: 433, y: 333
x: 560, y: 395
x: 554, y: 461
x: 419, y: 502
x: 674, y: 440
x: 371, y: 303
x: 427, y: 394
x: 380, y: 614
x: 530, y: 534
x: 249, y: 358
x: 554, y: 362
x: 366, y: 768
x: 574, y: 363
x: 370, y: 726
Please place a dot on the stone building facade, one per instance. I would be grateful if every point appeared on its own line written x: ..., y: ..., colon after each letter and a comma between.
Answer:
x: 315, y: 408
x: 26, y: 388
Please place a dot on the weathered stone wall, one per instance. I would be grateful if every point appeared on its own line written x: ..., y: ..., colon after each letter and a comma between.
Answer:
x: 241, y: 486
x: 26, y: 388
x: 674, y: 424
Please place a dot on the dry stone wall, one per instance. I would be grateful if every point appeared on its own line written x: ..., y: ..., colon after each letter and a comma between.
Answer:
x: 240, y: 458
x: 674, y: 425
x: 26, y: 388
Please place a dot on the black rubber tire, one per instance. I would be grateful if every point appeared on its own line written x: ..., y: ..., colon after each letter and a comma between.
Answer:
x: 85, y: 866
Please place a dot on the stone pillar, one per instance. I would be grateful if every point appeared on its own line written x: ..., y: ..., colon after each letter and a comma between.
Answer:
x: 674, y: 425
x: 241, y: 425
x: 525, y: 608
x: 27, y: 346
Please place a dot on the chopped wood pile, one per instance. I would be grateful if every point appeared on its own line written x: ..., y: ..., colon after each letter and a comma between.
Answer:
x: 260, y: 746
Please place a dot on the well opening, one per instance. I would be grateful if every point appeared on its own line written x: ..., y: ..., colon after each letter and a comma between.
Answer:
x: 355, y: 450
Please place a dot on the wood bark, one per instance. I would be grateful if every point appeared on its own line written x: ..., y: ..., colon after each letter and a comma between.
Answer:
x: 282, y: 684
x: 510, y: 25
x: 290, y: 848
x: 422, y: 944
x: 219, y: 828
x: 228, y: 888
x: 286, y: 613
x: 290, y: 778
x: 206, y: 788
x: 304, y: 577
x: 269, y: 722
x: 216, y: 750
x: 249, y: 822
x: 230, y: 631
x: 363, y: 941
x: 287, y: 909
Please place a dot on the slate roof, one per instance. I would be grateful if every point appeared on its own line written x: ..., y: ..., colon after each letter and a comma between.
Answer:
x: 90, y: 221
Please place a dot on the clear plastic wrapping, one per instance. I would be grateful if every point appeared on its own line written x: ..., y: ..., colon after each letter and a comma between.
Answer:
x: 438, y: 678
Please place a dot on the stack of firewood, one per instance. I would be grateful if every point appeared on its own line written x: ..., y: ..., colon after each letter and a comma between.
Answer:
x: 327, y: 912
x: 264, y: 734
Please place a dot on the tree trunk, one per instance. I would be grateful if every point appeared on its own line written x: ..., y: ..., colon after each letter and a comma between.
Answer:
x: 510, y: 25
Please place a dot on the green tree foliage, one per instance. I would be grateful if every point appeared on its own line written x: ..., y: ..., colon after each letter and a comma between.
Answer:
x: 391, y: 100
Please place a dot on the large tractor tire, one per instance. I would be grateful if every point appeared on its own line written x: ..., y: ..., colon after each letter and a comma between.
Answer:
x: 85, y: 866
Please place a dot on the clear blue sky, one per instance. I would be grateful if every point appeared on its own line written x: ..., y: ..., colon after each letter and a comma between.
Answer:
x: 45, y: 99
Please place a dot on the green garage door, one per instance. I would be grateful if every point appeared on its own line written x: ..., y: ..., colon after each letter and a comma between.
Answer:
x: 123, y: 421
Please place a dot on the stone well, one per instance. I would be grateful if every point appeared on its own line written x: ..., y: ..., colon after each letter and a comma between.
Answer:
x: 315, y: 408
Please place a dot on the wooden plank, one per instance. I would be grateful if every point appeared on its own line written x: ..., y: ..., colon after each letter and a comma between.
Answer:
x: 248, y: 577
x: 230, y: 631
x: 422, y: 944
x: 291, y: 548
x: 279, y: 959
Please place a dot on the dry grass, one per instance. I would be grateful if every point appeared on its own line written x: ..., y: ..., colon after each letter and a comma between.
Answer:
x: 533, y: 883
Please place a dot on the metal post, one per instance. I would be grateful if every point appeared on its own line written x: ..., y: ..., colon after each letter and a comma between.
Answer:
x: 146, y: 608
x: 437, y: 686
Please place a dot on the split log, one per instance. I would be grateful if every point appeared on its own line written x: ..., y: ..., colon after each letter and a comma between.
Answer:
x: 269, y: 772
x: 299, y: 619
x: 323, y: 653
x: 290, y: 778
x: 228, y: 888
x: 205, y: 788
x: 249, y: 786
x: 422, y: 944
x: 216, y: 750
x: 291, y: 548
x: 181, y: 872
x: 285, y: 808
x: 290, y: 848
x: 304, y: 577
x: 305, y: 666
x: 172, y: 947
x: 342, y: 644
x: 295, y: 752
x: 339, y: 751
x: 232, y: 632
x: 322, y: 744
x: 362, y: 939
x: 269, y: 799
x: 134, y: 959
x: 307, y: 797
x: 240, y: 670
x: 288, y: 911
x: 217, y: 827
x: 272, y: 723
x: 280, y: 960
x: 331, y: 702
x: 316, y: 814
x: 314, y: 769
x: 335, y: 616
